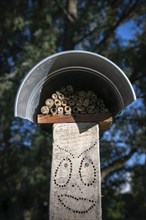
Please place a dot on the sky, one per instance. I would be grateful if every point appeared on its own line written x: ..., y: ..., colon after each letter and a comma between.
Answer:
x: 127, y: 30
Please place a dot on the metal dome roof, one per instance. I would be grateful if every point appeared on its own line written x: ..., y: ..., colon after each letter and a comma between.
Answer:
x: 82, y: 69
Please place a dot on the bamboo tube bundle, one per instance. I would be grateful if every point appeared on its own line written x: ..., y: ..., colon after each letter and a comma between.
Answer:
x: 67, y: 101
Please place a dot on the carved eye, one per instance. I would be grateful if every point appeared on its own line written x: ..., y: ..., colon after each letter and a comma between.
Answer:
x: 87, y: 172
x: 63, y: 173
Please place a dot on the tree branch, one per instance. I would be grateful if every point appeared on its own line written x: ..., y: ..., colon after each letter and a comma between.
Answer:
x: 71, y: 15
x: 9, y: 77
x: 122, y: 18
x: 135, y: 78
x: 118, y: 163
x: 68, y: 41
x: 88, y: 34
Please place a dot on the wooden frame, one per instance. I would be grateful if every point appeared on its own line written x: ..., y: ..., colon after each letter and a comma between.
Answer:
x: 103, y: 119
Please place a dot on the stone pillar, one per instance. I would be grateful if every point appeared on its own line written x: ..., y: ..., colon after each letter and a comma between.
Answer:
x: 75, y: 192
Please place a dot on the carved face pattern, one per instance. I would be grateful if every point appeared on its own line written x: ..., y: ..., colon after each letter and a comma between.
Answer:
x: 76, y: 170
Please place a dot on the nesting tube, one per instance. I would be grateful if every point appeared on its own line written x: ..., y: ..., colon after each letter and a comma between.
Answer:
x: 93, y: 102
x: 102, y: 106
x: 75, y: 109
x: 89, y: 93
x: 49, y: 102
x: 54, y: 96
x: 81, y: 94
x: 60, y: 95
x: 80, y: 108
x: 71, y: 102
x: 53, y: 111
x: 80, y: 101
x: 57, y: 102
x: 67, y: 110
x: 45, y: 110
x: 64, y: 102
x: 60, y: 110
x: 63, y: 90
x: 86, y: 102
x: 69, y: 89
x: 91, y: 109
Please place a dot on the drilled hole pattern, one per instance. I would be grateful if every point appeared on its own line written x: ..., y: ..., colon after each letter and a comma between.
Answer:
x: 60, y: 198
x: 88, y: 149
x: 76, y: 185
x: 69, y: 171
x: 64, y: 149
x: 85, y: 165
x: 75, y: 178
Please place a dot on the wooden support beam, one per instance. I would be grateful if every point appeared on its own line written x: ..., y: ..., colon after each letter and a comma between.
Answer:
x: 103, y: 119
x: 75, y: 178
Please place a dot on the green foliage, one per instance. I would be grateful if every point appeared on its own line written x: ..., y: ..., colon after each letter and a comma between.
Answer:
x: 32, y: 30
x: 25, y: 172
x: 125, y: 205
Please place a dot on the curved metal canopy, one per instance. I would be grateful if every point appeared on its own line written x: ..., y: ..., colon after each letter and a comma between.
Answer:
x: 84, y: 70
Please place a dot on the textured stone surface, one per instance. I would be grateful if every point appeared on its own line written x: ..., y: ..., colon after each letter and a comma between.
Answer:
x: 75, y: 179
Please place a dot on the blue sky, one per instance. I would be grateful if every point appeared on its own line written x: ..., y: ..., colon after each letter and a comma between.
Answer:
x: 127, y: 30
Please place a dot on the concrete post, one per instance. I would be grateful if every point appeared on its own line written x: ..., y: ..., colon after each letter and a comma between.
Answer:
x: 75, y: 178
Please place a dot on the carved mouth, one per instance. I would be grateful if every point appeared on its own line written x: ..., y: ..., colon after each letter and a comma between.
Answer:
x: 78, y: 205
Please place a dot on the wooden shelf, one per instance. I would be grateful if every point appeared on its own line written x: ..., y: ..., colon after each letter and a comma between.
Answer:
x: 103, y: 119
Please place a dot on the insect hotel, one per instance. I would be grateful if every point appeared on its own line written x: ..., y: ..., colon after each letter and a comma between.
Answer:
x: 78, y: 93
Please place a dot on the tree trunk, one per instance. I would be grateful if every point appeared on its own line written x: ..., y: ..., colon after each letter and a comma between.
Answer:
x: 70, y: 19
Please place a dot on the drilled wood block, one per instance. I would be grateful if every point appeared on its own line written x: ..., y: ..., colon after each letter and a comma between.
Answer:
x: 75, y: 192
